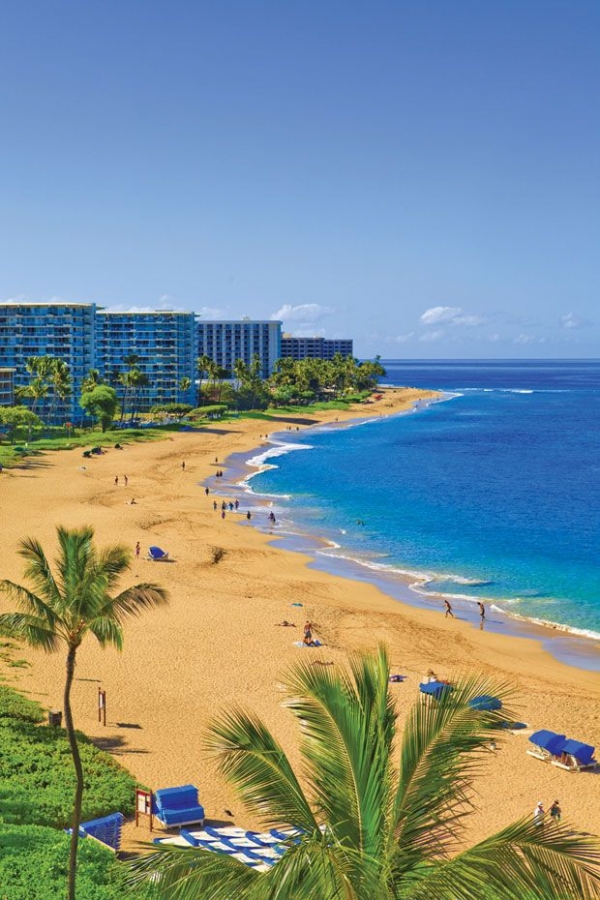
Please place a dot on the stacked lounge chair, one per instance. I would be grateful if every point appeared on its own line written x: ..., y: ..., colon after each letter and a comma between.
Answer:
x: 174, y: 807
x: 562, y: 751
x: 106, y: 830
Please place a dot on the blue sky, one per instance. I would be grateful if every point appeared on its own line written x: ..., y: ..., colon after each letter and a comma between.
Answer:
x: 421, y: 176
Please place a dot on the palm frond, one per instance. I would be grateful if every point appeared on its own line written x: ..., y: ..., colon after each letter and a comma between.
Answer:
x: 522, y: 861
x: 114, y: 562
x: 29, y: 602
x: 134, y: 600
x: 179, y: 873
x: 39, y: 572
x: 348, y: 728
x: 443, y: 747
x: 107, y: 631
x: 252, y: 761
x: 34, y: 630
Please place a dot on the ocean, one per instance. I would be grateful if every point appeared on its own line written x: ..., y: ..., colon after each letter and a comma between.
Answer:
x: 492, y: 494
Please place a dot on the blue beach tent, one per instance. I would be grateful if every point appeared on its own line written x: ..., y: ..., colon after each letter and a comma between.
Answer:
x: 486, y: 703
x: 435, y: 689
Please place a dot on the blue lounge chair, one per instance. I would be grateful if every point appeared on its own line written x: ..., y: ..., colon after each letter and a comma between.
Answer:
x: 575, y: 756
x: 178, y: 806
x: 106, y: 830
x: 486, y: 703
x: 156, y: 554
x: 436, y: 689
x: 546, y: 744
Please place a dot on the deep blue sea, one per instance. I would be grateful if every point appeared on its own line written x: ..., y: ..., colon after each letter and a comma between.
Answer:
x: 493, y: 493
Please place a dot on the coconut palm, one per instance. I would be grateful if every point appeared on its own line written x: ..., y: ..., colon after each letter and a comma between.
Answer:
x: 203, y: 362
x: 62, y: 607
x: 379, y: 816
x: 60, y: 377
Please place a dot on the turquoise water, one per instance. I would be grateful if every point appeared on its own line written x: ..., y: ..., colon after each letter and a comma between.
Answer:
x: 491, y: 494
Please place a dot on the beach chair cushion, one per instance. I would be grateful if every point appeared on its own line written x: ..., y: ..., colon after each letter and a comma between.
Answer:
x: 178, y: 806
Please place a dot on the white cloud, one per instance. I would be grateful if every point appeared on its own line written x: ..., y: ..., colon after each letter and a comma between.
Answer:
x: 403, y: 338
x: 430, y: 336
x: 212, y: 312
x: 528, y: 339
x: 571, y: 321
x: 471, y: 321
x: 439, y: 314
x: 304, y: 312
x: 450, y: 315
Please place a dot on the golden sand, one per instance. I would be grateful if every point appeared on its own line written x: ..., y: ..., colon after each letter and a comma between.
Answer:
x: 217, y: 643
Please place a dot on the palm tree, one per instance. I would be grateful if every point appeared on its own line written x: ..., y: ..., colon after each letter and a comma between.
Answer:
x: 368, y: 829
x: 203, y: 363
x: 61, y: 380
x: 91, y: 380
x: 184, y: 385
x: 128, y: 380
x: 61, y: 608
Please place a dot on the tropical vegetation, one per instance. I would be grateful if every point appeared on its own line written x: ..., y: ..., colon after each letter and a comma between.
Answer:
x: 59, y: 606
x: 378, y: 815
x: 37, y: 789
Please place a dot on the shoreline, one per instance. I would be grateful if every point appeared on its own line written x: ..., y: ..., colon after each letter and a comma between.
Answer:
x: 567, y: 644
x: 216, y: 645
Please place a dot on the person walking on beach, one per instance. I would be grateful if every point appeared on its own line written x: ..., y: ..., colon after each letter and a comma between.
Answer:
x: 248, y: 515
x: 555, y: 812
x: 125, y: 479
x: 137, y: 550
x: 538, y: 814
x: 222, y: 513
x: 237, y: 504
x: 183, y: 465
x: 215, y: 505
x: 481, y: 610
x: 207, y: 491
x: 116, y: 479
x: 448, y: 609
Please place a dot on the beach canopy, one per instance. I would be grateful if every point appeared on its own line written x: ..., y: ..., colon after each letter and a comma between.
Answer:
x: 157, y: 553
x: 548, y: 740
x: 583, y: 753
x: 486, y: 703
x: 435, y: 689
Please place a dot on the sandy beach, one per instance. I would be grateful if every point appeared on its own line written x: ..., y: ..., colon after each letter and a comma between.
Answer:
x: 217, y: 642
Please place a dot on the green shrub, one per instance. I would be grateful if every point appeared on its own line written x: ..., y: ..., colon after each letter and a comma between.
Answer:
x: 33, y: 864
x: 15, y: 706
x: 37, y: 780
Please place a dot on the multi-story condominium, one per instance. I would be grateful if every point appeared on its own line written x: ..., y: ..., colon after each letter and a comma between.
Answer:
x: 7, y: 386
x: 64, y: 330
x: 314, y: 347
x: 165, y: 344
x: 226, y: 342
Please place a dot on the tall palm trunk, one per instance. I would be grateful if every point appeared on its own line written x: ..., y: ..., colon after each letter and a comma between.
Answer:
x: 78, y: 774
